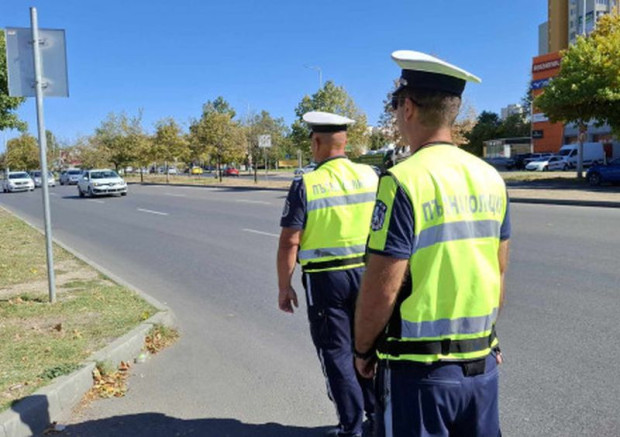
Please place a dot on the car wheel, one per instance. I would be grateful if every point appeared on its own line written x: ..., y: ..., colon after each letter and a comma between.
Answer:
x: 594, y: 179
x: 90, y: 192
x: 545, y: 168
x: 123, y: 194
x: 565, y: 167
x: 80, y: 192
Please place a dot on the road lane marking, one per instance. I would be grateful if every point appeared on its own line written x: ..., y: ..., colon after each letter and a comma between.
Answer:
x: 152, y: 212
x: 175, y: 195
x: 95, y: 201
x: 260, y: 202
x: 260, y: 232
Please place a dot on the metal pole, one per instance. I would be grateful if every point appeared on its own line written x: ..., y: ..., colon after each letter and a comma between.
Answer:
x: 43, y: 153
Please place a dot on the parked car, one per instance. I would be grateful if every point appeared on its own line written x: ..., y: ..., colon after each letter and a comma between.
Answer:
x: 231, y: 171
x: 196, y: 170
x: 70, y: 176
x: 38, y: 180
x: 535, y: 157
x: 17, y: 181
x: 593, y: 153
x: 100, y: 182
x: 172, y: 171
x: 307, y: 169
x: 550, y: 163
x: 600, y: 173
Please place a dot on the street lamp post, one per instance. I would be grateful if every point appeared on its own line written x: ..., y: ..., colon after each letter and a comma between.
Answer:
x: 317, y: 69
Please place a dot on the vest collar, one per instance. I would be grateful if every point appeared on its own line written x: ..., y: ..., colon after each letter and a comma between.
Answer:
x: 330, y: 159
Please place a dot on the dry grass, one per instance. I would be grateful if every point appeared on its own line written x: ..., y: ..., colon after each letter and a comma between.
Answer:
x: 40, y: 341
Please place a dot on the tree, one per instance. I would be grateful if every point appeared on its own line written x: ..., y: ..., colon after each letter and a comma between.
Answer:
x: 488, y: 126
x: 515, y: 125
x: 22, y: 153
x: 169, y: 144
x: 335, y: 99
x: 119, y: 138
x: 217, y: 135
x: 464, y: 124
x: 588, y: 84
x: 265, y: 124
x: 8, y: 118
x: 89, y: 155
x: 387, y: 120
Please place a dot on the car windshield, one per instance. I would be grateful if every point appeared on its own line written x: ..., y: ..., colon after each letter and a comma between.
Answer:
x: 20, y: 175
x: 103, y: 174
x: 74, y: 172
x: 565, y: 152
x: 36, y: 174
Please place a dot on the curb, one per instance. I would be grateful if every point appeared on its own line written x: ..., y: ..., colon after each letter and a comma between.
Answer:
x: 33, y: 414
x: 228, y: 187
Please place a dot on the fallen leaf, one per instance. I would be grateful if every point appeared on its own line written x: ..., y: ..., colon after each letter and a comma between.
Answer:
x: 58, y: 327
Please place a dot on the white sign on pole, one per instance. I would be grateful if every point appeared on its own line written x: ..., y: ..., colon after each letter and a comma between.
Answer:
x: 20, y: 62
x: 264, y: 141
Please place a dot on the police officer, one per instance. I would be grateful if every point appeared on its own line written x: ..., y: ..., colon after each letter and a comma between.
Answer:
x: 325, y: 226
x: 434, y: 282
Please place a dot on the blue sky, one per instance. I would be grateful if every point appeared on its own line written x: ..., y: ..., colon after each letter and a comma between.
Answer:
x: 168, y: 58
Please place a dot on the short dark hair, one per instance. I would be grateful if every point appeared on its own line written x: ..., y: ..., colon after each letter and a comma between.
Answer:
x: 437, y: 108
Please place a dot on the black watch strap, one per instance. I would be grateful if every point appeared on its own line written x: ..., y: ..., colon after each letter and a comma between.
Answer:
x: 364, y: 355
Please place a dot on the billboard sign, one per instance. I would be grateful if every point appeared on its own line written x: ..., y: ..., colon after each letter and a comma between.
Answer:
x: 539, y: 118
x: 540, y: 84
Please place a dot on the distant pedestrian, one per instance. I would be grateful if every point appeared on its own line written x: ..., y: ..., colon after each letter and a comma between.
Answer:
x: 434, y: 282
x: 325, y: 226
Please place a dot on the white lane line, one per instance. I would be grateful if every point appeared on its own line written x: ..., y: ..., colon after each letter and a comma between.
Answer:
x: 260, y: 232
x: 260, y: 202
x: 95, y: 201
x: 175, y: 195
x: 152, y: 212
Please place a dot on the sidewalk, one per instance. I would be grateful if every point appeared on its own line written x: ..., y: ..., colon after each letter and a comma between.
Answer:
x: 564, y: 192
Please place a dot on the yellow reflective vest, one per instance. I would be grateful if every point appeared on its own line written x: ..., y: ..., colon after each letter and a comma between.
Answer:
x: 449, y: 309
x: 340, y: 196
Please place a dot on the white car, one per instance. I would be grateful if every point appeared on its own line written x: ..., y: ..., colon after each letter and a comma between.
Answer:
x: 38, y: 180
x: 17, y: 181
x: 101, y: 182
x: 307, y: 169
x: 550, y: 163
x: 70, y: 176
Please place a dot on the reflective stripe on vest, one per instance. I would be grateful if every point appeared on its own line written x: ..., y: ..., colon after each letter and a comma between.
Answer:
x: 459, y: 203
x: 340, y: 198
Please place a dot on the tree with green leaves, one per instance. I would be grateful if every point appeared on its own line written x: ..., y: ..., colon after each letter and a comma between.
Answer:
x: 335, y: 99
x: 8, y: 105
x: 119, y: 138
x: 588, y: 84
x: 169, y: 143
x: 515, y: 125
x: 488, y: 126
x: 89, y: 155
x: 264, y: 124
x: 217, y: 135
x: 22, y: 153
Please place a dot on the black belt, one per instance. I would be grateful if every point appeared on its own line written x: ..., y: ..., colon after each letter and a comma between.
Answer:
x: 446, y: 346
x: 333, y: 263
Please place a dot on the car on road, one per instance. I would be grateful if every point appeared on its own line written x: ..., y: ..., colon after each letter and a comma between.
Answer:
x: 547, y: 164
x: 196, y: 170
x: 600, y: 173
x: 230, y: 171
x: 100, y: 182
x: 38, y: 179
x: 307, y: 169
x: 17, y: 181
x: 70, y: 176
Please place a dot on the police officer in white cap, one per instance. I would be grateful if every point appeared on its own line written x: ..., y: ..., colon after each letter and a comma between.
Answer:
x: 433, y: 287
x: 325, y: 227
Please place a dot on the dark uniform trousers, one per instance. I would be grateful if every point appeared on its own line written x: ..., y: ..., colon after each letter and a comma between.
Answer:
x: 331, y: 300
x: 437, y: 400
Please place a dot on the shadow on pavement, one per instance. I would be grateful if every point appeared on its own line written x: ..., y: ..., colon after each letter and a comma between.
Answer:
x: 160, y: 425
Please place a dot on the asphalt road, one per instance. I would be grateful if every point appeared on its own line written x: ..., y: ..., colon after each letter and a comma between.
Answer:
x: 242, y: 368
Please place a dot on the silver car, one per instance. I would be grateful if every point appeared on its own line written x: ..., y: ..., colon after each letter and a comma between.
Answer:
x: 70, y: 176
x: 38, y: 180
x: 100, y: 182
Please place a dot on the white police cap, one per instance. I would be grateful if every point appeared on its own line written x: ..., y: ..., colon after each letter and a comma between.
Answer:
x: 426, y: 72
x: 326, y: 121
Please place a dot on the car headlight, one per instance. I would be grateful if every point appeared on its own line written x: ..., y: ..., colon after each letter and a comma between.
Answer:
x: 95, y: 184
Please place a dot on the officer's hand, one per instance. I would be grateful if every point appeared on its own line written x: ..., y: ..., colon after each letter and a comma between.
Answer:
x: 286, y: 299
x: 366, y: 368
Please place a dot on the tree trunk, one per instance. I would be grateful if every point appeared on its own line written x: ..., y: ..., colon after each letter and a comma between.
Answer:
x: 583, y: 129
x: 219, y: 167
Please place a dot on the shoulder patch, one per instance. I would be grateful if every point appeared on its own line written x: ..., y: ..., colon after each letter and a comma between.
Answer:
x: 378, y: 216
